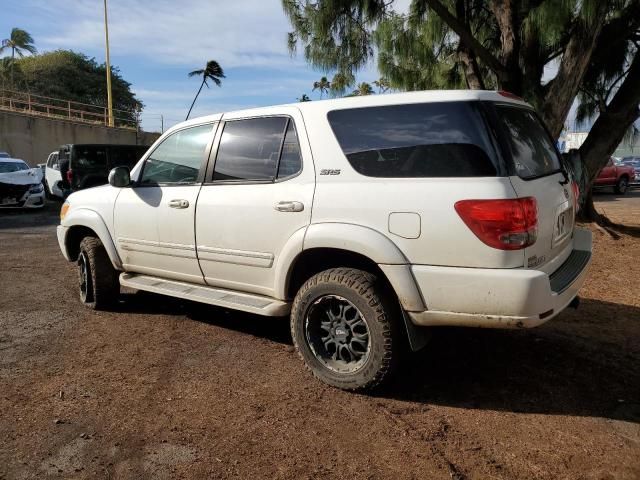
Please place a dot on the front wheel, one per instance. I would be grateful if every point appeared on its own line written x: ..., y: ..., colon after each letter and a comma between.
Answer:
x: 344, y: 325
x: 622, y: 185
x: 98, y: 280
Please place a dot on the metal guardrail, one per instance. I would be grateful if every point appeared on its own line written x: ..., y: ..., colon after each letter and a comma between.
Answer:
x: 65, y: 109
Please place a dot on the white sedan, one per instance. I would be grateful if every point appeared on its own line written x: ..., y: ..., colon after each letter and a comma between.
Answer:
x: 20, y: 185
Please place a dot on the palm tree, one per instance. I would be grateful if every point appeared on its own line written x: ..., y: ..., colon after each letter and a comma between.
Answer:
x: 212, y: 71
x: 323, y: 85
x: 19, y: 42
x: 382, y: 84
x: 304, y: 98
x: 363, y: 89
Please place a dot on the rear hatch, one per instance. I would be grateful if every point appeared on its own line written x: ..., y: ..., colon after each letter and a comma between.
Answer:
x: 536, y: 171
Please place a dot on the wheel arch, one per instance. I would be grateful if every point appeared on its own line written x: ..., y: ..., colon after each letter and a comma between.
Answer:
x: 84, y: 222
x: 345, y: 245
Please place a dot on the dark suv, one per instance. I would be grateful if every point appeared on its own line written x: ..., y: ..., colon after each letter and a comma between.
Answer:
x: 88, y: 165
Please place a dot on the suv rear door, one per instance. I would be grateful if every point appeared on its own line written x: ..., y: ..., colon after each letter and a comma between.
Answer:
x: 537, y: 172
x: 256, y: 197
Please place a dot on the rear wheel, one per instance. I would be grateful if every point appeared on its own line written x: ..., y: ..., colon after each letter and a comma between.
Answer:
x: 98, y: 280
x: 622, y: 185
x: 344, y: 325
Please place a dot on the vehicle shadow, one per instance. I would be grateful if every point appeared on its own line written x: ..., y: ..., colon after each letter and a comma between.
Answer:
x: 572, y: 368
x: 274, y: 329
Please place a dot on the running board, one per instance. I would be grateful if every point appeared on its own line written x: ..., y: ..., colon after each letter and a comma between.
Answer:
x: 213, y: 296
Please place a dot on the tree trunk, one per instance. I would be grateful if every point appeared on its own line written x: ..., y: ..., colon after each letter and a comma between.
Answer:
x: 472, y: 73
x: 509, y: 25
x: 609, y: 128
x: 194, y: 100
x: 562, y: 90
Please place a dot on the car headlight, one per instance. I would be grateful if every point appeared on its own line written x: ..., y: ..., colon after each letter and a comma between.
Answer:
x: 64, y: 210
x: 36, y: 188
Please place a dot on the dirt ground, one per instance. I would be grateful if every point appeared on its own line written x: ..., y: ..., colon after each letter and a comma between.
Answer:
x: 166, y: 389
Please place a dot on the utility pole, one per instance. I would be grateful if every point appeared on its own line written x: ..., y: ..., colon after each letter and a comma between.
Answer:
x: 109, y: 97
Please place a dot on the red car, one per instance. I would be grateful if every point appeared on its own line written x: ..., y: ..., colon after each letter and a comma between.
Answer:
x: 617, y: 176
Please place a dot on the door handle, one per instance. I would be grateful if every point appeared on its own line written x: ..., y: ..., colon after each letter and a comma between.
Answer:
x: 288, y: 206
x: 179, y: 203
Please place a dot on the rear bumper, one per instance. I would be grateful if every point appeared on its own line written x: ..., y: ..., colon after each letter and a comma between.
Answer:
x: 500, y: 298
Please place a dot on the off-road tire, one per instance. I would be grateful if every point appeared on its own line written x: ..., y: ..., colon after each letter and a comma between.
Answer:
x: 102, y: 284
x: 381, y: 312
x: 622, y: 186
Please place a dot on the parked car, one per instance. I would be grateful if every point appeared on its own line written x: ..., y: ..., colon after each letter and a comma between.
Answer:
x: 618, y: 176
x: 4, y: 155
x: 52, y: 177
x: 87, y: 165
x: 365, y: 219
x: 20, y: 185
x: 633, y: 162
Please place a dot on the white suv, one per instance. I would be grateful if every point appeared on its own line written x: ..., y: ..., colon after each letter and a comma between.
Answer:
x: 363, y: 218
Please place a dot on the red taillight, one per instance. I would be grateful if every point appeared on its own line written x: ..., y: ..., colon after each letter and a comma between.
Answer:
x: 503, y: 224
x: 69, y: 176
x: 510, y: 95
x: 576, y: 194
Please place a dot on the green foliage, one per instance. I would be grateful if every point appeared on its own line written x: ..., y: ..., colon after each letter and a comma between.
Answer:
x: 323, y: 85
x: 304, y: 98
x: 212, y: 71
x: 73, y: 76
x: 363, y: 88
x: 18, y: 42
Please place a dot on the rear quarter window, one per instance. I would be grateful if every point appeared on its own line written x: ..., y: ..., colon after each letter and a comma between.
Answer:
x: 447, y: 139
x: 529, y: 145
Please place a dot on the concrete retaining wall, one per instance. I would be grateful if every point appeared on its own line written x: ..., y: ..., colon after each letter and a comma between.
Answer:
x: 32, y: 138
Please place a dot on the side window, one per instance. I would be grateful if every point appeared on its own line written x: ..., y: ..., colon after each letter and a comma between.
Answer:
x: 420, y: 140
x: 50, y: 161
x: 178, y: 158
x: 290, y: 159
x: 54, y: 161
x: 250, y: 149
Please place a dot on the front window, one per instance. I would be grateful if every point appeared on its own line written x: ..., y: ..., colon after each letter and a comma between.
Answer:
x: 177, y: 160
x: 530, y: 146
x: 9, y: 167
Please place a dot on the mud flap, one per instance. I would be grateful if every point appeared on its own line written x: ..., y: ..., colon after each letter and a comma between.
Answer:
x: 418, y: 336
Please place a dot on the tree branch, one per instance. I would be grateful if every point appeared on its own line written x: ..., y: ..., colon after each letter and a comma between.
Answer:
x: 466, y: 36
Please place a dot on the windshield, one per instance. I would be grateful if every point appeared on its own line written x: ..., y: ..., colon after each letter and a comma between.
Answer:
x: 8, y: 167
x: 531, y: 148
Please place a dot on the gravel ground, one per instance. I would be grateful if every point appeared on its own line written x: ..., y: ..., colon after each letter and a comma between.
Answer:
x: 167, y: 389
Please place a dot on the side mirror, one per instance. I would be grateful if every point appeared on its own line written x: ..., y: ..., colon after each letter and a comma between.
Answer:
x: 119, y: 177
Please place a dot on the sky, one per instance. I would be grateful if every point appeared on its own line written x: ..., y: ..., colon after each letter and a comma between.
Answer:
x: 156, y: 43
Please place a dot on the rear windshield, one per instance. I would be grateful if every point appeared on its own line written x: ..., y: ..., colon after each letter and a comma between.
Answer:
x: 529, y: 144
x: 447, y: 139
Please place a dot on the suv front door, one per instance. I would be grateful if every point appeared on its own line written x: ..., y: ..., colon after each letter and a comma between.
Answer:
x: 255, y: 199
x: 154, y: 220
